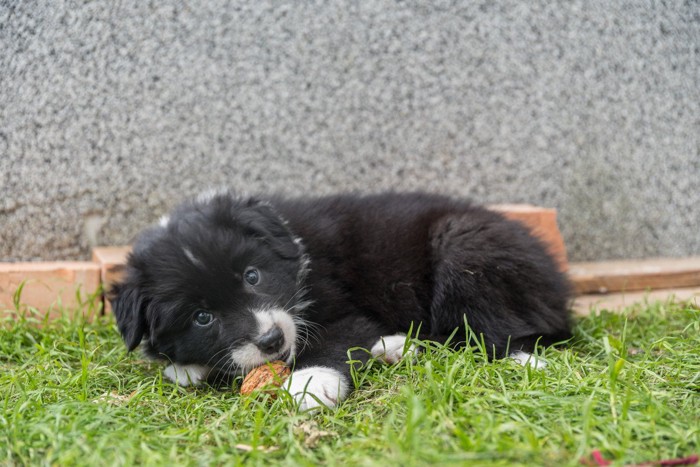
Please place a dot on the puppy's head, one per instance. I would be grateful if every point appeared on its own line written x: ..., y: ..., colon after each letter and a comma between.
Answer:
x: 218, y: 283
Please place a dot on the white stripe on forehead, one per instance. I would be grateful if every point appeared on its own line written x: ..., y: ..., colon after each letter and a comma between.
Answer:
x: 196, y: 261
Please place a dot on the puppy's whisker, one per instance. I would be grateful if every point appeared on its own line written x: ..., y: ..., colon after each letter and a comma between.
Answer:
x: 215, y: 356
x: 222, y: 355
x: 308, y: 331
x: 222, y: 358
x: 286, y: 305
x: 309, y: 325
x: 297, y: 299
x: 231, y: 367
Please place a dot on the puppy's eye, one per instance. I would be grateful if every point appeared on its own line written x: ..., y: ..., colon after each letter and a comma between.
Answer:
x: 203, y: 318
x: 251, y: 276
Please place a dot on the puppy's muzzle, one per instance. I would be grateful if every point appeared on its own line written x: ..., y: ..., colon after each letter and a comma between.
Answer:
x: 272, y: 341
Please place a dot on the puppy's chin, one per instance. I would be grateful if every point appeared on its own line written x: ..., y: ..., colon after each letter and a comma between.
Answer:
x: 248, y: 355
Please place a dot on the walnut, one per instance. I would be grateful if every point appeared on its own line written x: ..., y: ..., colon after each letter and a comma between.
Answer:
x: 266, y: 375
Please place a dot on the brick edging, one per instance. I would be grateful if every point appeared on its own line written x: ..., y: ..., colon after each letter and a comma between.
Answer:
x: 49, y: 283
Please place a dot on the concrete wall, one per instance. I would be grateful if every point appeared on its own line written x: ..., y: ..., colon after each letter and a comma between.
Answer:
x: 112, y: 111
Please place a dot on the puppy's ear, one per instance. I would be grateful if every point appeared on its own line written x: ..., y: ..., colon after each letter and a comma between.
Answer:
x: 129, y: 308
x: 266, y: 224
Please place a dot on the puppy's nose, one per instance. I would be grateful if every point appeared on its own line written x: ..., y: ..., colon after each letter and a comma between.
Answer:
x: 271, y: 341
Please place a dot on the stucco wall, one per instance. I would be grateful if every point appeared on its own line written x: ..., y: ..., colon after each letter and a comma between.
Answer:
x: 110, y: 112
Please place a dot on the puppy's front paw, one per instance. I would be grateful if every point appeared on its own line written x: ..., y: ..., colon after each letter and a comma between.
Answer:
x: 390, y: 349
x: 317, y: 385
x: 186, y: 375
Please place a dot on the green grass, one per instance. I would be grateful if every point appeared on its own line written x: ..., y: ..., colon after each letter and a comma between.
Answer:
x: 628, y: 384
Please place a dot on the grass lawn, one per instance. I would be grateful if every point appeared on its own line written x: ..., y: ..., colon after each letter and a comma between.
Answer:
x: 628, y: 385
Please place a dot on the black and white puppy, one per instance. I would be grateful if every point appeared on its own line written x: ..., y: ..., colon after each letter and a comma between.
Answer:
x: 226, y: 283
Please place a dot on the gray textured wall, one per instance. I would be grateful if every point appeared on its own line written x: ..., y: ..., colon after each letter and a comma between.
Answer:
x: 111, y: 111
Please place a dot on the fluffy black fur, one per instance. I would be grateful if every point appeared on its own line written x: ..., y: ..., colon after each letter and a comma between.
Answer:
x: 348, y: 268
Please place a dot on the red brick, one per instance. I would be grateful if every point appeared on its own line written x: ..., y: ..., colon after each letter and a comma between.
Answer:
x: 111, y: 260
x: 49, y: 284
x: 542, y: 222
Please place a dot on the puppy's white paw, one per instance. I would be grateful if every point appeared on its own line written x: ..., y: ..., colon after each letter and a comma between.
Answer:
x: 525, y: 358
x: 390, y: 349
x: 186, y: 375
x: 317, y: 385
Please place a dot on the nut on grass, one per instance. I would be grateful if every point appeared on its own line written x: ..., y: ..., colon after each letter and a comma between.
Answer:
x: 267, y: 376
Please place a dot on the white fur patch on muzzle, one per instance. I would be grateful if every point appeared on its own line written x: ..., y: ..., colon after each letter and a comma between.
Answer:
x: 249, y: 355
